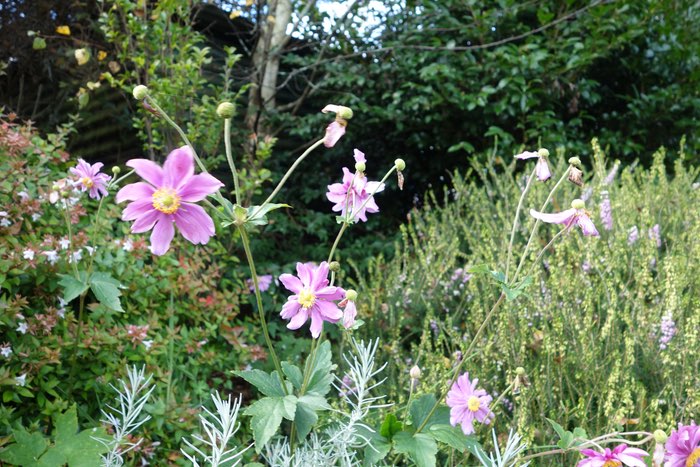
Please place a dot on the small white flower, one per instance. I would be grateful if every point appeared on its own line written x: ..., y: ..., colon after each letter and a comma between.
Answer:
x: 21, y: 380
x: 24, y: 195
x: 51, y: 256
x: 3, y: 213
x: 54, y: 196
x: 5, y: 222
x: 147, y: 344
x: 22, y: 327
x: 64, y: 243
x: 28, y: 254
x: 128, y: 245
x: 5, y: 350
x: 90, y: 249
x: 76, y: 256
x: 36, y: 216
x: 61, y: 312
x: 61, y: 302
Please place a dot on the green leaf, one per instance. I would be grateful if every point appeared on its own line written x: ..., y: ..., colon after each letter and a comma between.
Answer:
x: 454, y: 437
x: 421, y: 448
x: 566, y: 438
x: 499, y: 276
x: 72, y: 287
x: 256, y: 214
x: 321, y: 376
x: 390, y: 426
x: 73, y: 448
x: 514, y: 292
x: 377, y: 446
x: 478, y: 269
x: 267, y: 416
x: 422, y: 406
x: 293, y: 374
x: 106, y: 289
x: 268, y: 384
x: 305, y: 417
x: 26, y: 449
x: 39, y: 43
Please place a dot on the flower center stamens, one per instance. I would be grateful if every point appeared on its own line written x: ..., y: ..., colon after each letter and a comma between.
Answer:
x: 306, y: 299
x: 693, y: 458
x: 473, y: 404
x: 612, y: 463
x: 87, y: 182
x: 166, y: 200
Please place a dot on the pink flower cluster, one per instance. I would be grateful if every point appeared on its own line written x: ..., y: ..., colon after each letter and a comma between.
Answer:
x: 355, y: 194
x: 621, y: 455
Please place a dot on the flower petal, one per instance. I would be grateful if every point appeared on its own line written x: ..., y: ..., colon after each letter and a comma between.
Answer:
x: 564, y: 217
x: 334, y: 132
x: 198, y: 187
x: 316, y: 323
x: 162, y: 235
x: 135, y: 191
x: 587, y: 226
x: 329, y: 311
x: 305, y: 273
x: 148, y: 170
x: 146, y: 221
x: 298, y: 319
x: 542, y: 169
x: 178, y: 167
x: 359, y: 156
x: 527, y: 155
x: 291, y: 283
x: 290, y: 309
x: 194, y: 223
x: 136, y: 209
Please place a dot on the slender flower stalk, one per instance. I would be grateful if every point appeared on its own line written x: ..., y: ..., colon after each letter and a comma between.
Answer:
x: 229, y: 158
x: 517, y: 218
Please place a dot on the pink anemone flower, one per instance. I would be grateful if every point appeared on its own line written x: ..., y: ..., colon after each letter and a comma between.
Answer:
x: 467, y: 403
x: 336, y: 129
x: 89, y: 178
x: 576, y: 215
x: 683, y: 446
x: 313, y: 298
x: 167, y: 198
x: 621, y: 455
x: 542, y: 168
x: 347, y: 198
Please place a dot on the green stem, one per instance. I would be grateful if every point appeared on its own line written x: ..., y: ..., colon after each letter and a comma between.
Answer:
x: 258, y: 298
x: 464, y: 359
x: 546, y: 247
x: 78, y: 336
x: 93, y: 232
x: 342, y: 230
x: 408, y: 403
x: 229, y: 158
x: 66, y: 217
x: 517, y: 219
x: 287, y: 175
x: 115, y: 182
x: 537, y: 223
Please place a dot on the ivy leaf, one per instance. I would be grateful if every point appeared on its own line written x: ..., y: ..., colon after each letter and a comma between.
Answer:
x: 106, y: 289
x: 267, y: 416
x: 321, y: 376
x: 72, y: 287
x: 26, y: 449
x: 422, y: 406
x: 421, y: 448
x: 268, y: 384
x: 390, y: 426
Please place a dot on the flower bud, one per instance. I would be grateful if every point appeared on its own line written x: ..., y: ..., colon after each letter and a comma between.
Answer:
x: 578, y: 204
x: 56, y: 187
x: 140, y: 92
x: 344, y: 112
x: 334, y: 266
x: 400, y: 164
x: 520, y: 371
x: 660, y: 436
x: 116, y: 170
x: 360, y: 166
x: 575, y: 161
x: 351, y: 295
x: 226, y: 110
x: 415, y: 372
x: 543, y: 152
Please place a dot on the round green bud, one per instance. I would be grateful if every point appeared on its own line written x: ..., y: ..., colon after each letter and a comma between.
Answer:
x: 360, y: 166
x: 55, y: 187
x: 334, y: 266
x: 116, y: 170
x: 226, y: 110
x: 344, y: 112
x: 520, y: 371
x: 351, y: 295
x: 140, y: 92
x: 415, y: 372
x: 578, y: 204
x: 543, y: 152
x: 660, y: 436
x: 575, y: 161
x: 400, y: 164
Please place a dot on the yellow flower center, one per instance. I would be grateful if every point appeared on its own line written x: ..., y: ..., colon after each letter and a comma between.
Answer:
x: 693, y: 458
x: 166, y: 200
x: 306, y: 298
x: 87, y: 182
x: 473, y: 403
x: 612, y: 463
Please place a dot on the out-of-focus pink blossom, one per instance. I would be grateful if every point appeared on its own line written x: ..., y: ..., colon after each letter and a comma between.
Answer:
x: 577, y: 215
x: 90, y: 179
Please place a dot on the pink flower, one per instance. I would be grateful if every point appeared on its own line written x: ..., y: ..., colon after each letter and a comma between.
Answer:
x: 349, y: 307
x: 313, y: 298
x: 360, y: 191
x: 468, y: 403
x: 167, y: 198
x: 264, y: 283
x: 621, y: 455
x: 683, y: 446
x: 89, y: 178
x: 336, y: 129
x: 576, y: 215
x: 542, y: 168
x: 359, y: 156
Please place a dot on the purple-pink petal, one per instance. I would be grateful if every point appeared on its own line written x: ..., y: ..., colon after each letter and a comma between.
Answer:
x: 359, y: 156
x: 542, y: 169
x: 136, y: 209
x: 194, y: 223
x: 329, y: 311
x: 291, y: 283
x: 527, y: 155
x: 146, y: 221
x: 334, y: 132
x: 148, y: 170
x: 178, y: 167
x: 299, y: 319
x: 199, y: 187
x: 135, y: 191
x: 316, y: 323
x: 564, y: 217
x: 349, y: 314
x: 305, y: 273
x: 162, y: 235
x: 587, y: 226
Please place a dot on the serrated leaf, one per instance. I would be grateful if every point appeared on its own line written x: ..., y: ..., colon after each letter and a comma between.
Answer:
x: 306, y: 417
x: 377, y: 446
x: 321, y: 374
x: 267, y: 414
x: 26, y: 449
x: 106, y: 290
x: 390, y: 426
x: 566, y: 438
x: 293, y: 374
x: 499, y: 276
x: 421, y: 448
x: 75, y: 449
x: 267, y: 384
x: 72, y: 287
x: 420, y: 408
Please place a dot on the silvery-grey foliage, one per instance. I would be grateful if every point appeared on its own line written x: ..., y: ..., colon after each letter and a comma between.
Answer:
x: 507, y: 457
